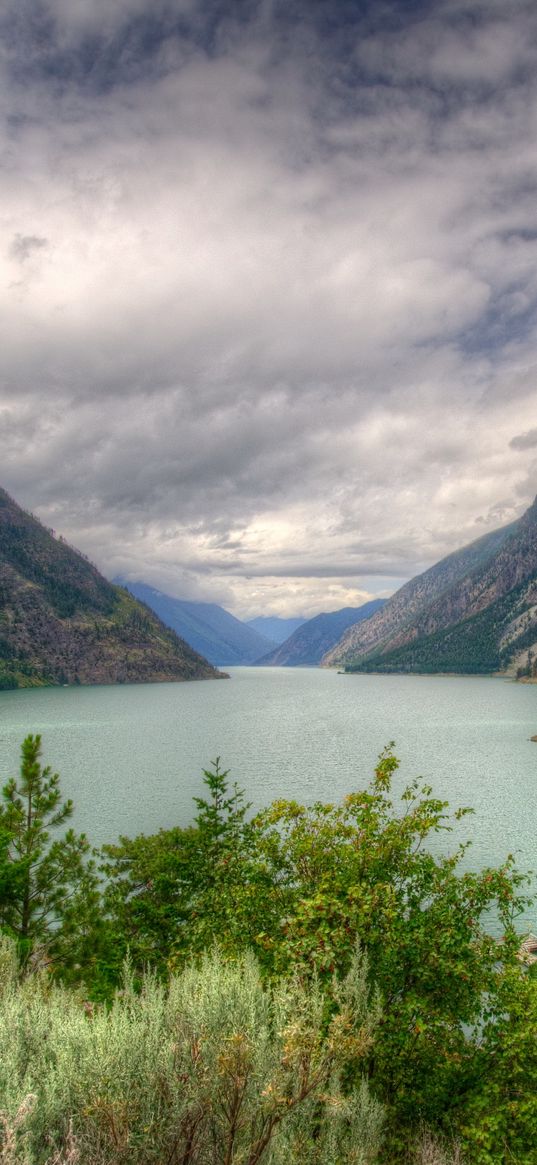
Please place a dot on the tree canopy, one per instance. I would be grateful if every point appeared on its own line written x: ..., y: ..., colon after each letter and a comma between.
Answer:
x: 302, y: 889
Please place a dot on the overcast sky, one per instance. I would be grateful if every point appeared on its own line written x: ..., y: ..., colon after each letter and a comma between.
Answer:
x: 269, y: 287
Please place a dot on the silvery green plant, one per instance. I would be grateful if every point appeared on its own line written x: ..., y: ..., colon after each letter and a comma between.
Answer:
x: 216, y: 1069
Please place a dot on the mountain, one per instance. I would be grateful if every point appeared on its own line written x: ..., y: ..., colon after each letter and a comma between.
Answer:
x: 62, y: 622
x: 474, y: 612
x: 211, y: 630
x: 312, y: 639
x: 274, y: 628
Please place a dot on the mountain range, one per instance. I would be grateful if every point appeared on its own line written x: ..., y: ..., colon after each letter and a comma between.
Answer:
x: 307, y: 645
x: 210, y: 630
x: 226, y: 641
x: 275, y: 628
x: 474, y: 612
x: 61, y: 622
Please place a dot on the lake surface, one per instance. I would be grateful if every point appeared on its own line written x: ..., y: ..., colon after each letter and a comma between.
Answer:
x: 131, y: 756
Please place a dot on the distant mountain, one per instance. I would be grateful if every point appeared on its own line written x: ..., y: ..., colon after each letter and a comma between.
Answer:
x: 273, y: 628
x: 312, y: 639
x: 61, y: 622
x: 474, y: 612
x: 209, y: 629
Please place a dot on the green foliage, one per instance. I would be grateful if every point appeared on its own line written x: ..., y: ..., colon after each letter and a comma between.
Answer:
x: 20, y: 673
x: 147, y: 897
x: 287, y: 898
x: 217, y: 1069
x: 175, y: 893
x: 301, y: 886
x: 11, y: 873
x: 362, y: 871
x: 47, y: 886
x: 500, y: 1120
x: 233, y: 884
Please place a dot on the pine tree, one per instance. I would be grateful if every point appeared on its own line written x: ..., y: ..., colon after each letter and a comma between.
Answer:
x: 48, y: 885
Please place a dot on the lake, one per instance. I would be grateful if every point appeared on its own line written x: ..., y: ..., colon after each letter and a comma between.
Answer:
x: 131, y: 756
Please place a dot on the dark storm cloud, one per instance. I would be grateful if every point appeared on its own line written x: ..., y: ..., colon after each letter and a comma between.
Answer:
x: 88, y: 43
x: 271, y: 285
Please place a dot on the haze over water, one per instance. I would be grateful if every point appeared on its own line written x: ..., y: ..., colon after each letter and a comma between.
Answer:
x: 131, y: 756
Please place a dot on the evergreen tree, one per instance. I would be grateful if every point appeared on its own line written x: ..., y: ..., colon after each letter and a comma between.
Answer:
x: 48, y: 886
x: 176, y: 893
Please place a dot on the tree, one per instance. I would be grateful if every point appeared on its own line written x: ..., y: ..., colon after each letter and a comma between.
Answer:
x: 10, y: 872
x: 362, y: 871
x: 499, y: 1124
x: 48, y: 888
x: 302, y: 886
x: 177, y: 892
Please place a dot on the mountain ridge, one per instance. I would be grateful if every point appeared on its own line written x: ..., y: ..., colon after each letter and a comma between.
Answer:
x: 275, y: 628
x: 475, y: 611
x: 62, y: 622
x: 307, y: 645
x: 211, y: 630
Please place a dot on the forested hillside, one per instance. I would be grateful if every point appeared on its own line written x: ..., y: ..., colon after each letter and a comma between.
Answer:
x: 61, y: 622
x: 208, y: 628
x: 474, y: 612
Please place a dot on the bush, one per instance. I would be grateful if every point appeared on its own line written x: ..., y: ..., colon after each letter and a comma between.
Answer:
x: 215, y: 1070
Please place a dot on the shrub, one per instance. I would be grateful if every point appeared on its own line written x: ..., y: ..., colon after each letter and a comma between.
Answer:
x: 215, y: 1070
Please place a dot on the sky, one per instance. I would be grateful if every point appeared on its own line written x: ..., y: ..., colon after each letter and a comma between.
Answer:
x: 269, y: 287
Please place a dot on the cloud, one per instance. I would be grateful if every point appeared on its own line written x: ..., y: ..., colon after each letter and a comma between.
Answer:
x: 270, y: 287
x: 524, y: 440
x: 23, y: 246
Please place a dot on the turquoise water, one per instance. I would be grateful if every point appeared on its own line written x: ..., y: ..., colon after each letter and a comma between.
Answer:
x: 131, y: 756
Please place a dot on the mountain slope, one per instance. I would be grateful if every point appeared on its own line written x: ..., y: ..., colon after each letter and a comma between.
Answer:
x: 209, y: 629
x: 62, y: 622
x: 474, y: 612
x: 274, y: 628
x: 308, y: 644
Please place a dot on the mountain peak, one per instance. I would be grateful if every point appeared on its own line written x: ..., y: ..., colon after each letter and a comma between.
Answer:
x: 530, y: 514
